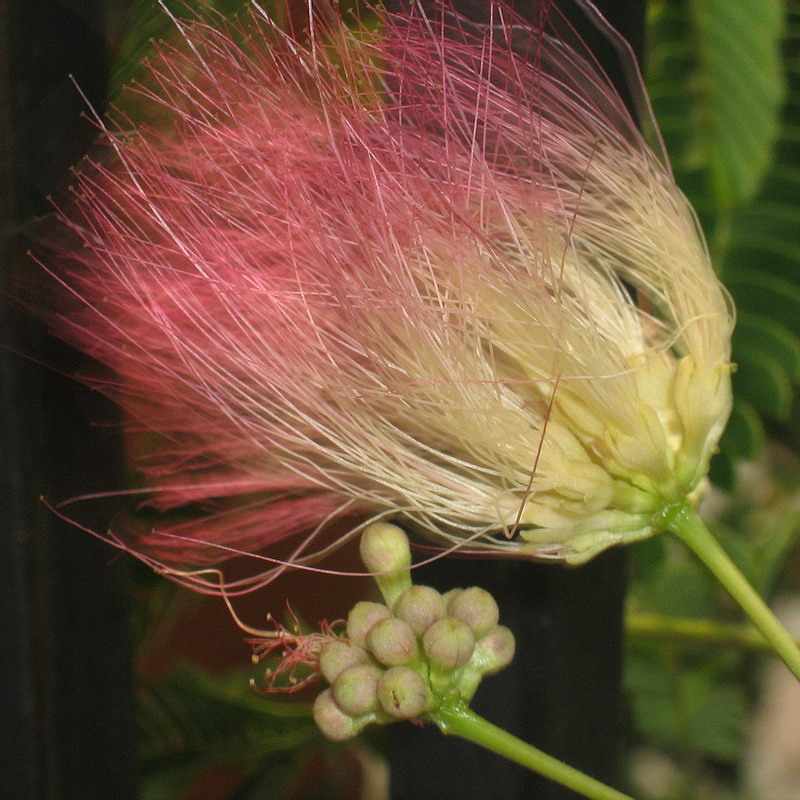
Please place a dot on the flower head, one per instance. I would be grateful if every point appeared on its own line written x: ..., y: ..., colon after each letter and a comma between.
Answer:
x: 432, y: 272
x: 394, y: 668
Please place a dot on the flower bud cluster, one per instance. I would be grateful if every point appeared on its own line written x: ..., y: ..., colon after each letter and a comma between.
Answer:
x: 401, y: 658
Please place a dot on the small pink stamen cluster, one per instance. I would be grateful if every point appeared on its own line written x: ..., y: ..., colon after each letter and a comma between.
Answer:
x: 292, y: 651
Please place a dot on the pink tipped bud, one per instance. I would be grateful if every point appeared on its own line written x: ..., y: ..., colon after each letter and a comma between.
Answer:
x: 337, y: 656
x: 420, y: 607
x: 332, y: 721
x: 495, y: 651
x: 356, y: 689
x: 403, y: 693
x: 385, y: 551
x: 477, y: 608
x: 392, y: 642
x: 362, y: 619
x: 448, y: 643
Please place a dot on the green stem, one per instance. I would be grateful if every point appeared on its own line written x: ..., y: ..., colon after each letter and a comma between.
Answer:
x: 682, y: 520
x: 454, y: 717
x: 681, y: 630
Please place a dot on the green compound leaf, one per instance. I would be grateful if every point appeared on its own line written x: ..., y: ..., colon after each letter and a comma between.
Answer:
x: 191, y: 721
x: 715, y: 76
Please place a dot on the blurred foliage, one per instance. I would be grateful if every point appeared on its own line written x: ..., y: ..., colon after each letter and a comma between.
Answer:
x: 724, y: 83
x: 724, y: 77
x: 691, y: 698
x: 149, y: 22
x: 191, y: 722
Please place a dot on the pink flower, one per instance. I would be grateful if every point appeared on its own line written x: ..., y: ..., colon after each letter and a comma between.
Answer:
x: 432, y: 272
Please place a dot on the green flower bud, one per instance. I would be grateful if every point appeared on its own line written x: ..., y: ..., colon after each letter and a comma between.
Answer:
x: 448, y: 643
x: 332, y: 721
x: 337, y: 656
x: 403, y: 693
x: 356, y: 689
x: 494, y: 651
x: 392, y: 642
x: 477, y: 608
x: 362, y: 619
x: 420, y: 607
x: 384, y: 549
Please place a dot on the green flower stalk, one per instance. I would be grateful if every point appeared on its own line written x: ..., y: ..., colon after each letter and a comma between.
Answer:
x: 419, y: 657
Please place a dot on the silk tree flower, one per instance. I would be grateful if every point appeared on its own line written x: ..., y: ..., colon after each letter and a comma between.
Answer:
x: 428, y: 271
